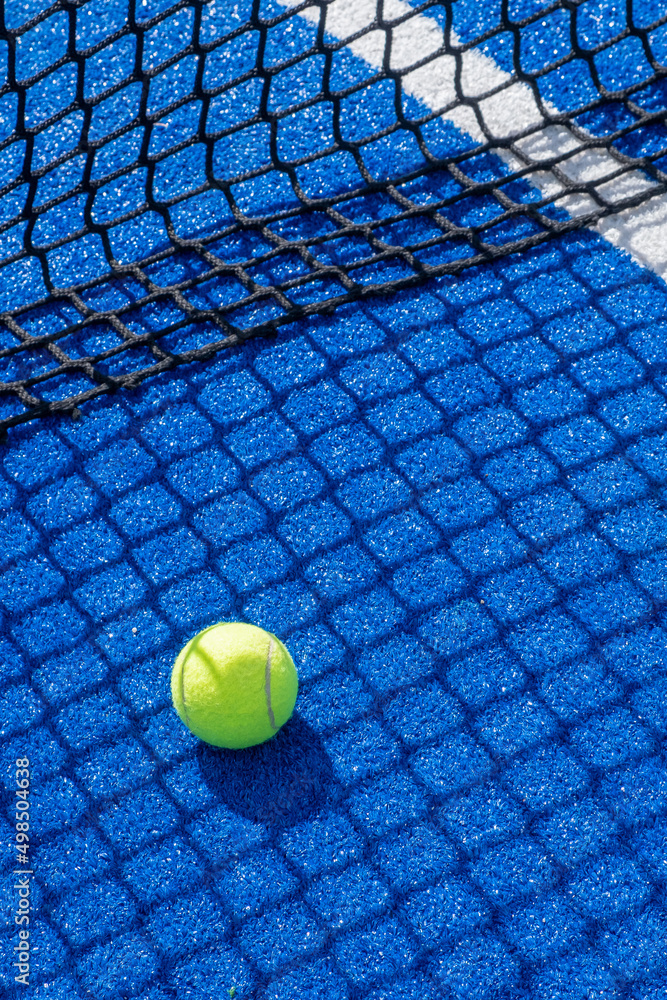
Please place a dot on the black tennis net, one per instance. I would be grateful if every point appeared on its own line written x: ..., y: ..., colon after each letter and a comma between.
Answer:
x: 181, y: 177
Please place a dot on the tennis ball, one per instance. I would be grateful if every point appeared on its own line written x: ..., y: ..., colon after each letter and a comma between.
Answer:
x: 234, y: 685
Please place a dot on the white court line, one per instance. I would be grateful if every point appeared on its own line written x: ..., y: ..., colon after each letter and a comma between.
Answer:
x: 641, y: 231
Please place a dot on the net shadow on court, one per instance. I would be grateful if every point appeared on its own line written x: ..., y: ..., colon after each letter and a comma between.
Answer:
x: 454, y: 517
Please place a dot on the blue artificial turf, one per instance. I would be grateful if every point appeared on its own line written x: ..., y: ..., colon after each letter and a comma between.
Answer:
x: 467, y: 794
x: 450, y: 504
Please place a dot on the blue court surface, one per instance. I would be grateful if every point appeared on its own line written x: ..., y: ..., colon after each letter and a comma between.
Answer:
x: 450, y: 503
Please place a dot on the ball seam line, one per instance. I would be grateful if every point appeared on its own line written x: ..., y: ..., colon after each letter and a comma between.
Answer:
x: 267, y: 686
x: 185, y: 707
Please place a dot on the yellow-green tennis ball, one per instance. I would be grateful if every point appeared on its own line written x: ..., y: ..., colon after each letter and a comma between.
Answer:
x: 234, y: 685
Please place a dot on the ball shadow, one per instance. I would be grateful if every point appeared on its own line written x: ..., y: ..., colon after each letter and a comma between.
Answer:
x: 278, y: 783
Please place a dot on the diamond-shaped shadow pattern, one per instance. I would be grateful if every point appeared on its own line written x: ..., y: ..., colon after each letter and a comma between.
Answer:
x: 179, y: 177
x: 458, y: 526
